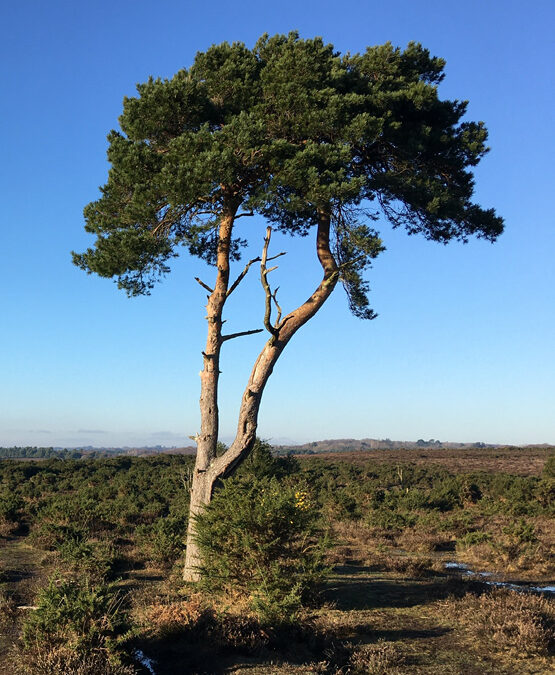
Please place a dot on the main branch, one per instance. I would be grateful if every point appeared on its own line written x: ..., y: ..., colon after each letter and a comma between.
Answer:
x: 282, y: 332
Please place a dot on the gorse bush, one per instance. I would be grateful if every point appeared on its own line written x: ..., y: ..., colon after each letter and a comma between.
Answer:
x: 261, y: 463
x: 163, y: 541
x: 10, y: 509
x: 259, y: 539
x: 77, y: 627
x: 473, y: 538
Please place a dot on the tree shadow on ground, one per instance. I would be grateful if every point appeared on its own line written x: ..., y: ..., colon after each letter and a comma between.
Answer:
x: 352, y: 589
x: 288, y: 648
x: 13, y: 576
x: 209, y: 651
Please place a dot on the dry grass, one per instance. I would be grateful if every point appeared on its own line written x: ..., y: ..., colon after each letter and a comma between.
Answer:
x: 7, y: 527
x: 167, y: 619
x: 424, y: 541
x: 505, y: 554
x: 66, y: 661
x: 198, y: 619
x: 518, y: 461
x: 381, y: 658
x: 506, y: 621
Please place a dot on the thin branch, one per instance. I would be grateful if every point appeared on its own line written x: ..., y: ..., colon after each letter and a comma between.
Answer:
x: 276, y: 256
x: 246, y: 213
x: 241, y: 276
x: 278, y: 308
x: 265, y: 285
x: 349, y: 263
x: 209, y: 212
x: 205, y: 286
x: 240, y: 334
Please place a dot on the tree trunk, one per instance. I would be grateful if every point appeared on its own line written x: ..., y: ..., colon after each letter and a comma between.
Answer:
x: 208, y: 468
x: 207, y: 439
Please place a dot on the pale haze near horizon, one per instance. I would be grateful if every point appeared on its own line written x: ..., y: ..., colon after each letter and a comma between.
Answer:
x: 462, y: 349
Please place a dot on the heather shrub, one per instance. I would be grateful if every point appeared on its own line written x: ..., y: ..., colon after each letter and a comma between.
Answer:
x: 549, y: 467
x: 507, y: 621
x: 381, y: 658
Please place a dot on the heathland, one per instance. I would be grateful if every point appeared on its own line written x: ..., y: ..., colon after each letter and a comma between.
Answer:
x: 355, y: 562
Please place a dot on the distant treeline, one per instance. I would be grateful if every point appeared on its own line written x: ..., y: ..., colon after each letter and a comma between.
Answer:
x: 33, y: 452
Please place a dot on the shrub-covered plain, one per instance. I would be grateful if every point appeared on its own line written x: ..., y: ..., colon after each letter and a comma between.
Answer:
x: 311, y: 564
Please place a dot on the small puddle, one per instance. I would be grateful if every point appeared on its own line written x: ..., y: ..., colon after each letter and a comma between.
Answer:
x: 145, y: 661
x: 466, y: 571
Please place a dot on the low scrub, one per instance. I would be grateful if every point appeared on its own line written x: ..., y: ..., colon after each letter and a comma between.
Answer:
x: 507, y: 621
x: 381, y: 658
x: 75, y: 628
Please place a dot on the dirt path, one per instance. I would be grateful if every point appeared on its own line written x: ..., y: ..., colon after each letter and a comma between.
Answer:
x: 21, y: 573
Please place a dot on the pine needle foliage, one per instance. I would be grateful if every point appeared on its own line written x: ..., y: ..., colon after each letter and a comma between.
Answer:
x: 284, y: 130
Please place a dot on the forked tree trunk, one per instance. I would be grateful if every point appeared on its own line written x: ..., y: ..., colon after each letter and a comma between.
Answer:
x: 208, y: 467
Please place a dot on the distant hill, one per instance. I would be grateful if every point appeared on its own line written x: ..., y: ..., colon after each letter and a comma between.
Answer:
x: 353, y: 445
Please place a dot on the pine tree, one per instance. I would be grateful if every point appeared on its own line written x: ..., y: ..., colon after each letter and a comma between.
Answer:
x: 307, y: 138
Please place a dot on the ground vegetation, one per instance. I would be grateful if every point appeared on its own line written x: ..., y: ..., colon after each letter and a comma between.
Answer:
x: 91, y: 560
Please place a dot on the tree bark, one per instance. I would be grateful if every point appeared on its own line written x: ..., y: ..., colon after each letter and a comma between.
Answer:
x: 210, y: 468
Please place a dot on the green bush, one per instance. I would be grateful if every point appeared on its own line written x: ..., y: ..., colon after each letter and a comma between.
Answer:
x: 259, y: 539
x: 94, y: 558
x: 10, y: 513
x: 387, y: 519
x: 260, y: 463
x: 75, y: 614
x: 163, y: 541
x: 473, y: 538
x: 10, y: 506
x: 51, y: 536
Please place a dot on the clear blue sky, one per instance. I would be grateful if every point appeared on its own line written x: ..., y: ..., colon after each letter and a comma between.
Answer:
x: 463, y: 348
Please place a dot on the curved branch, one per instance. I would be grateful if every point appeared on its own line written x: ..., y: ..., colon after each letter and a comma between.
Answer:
x: 264, y: 365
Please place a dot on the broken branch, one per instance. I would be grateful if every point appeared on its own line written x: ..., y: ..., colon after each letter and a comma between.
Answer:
x: 205, y: 286
x: 265, y: 285
x: 240, y: 334
x: 241, y: 276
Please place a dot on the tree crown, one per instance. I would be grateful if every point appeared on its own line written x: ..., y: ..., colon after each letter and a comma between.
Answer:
x: 286, y: 130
